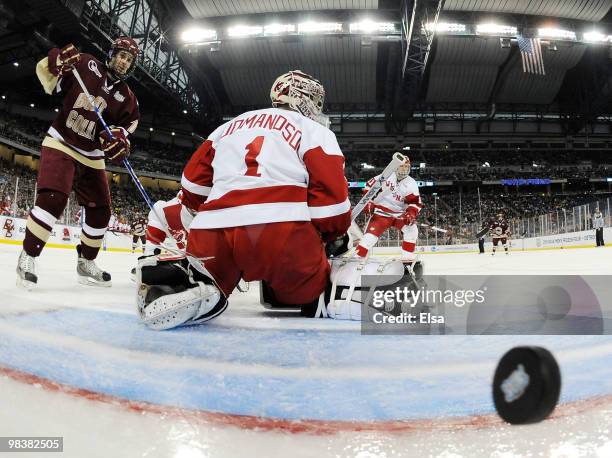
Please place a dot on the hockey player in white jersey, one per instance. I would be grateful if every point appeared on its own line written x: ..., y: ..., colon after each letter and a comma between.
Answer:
x: 168, y: 219
x: 270, y: 192
x: 397, y: 204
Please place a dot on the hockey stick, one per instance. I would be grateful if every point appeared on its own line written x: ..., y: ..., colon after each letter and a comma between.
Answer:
x: 434, y: 228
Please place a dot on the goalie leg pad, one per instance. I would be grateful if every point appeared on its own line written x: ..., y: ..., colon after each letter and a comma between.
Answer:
x: 171, y: 293
x: 167, y: 309
x: 348, y: 295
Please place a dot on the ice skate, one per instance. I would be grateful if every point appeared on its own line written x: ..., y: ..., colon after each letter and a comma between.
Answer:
x: 26, y: 271
x: 90, y: 274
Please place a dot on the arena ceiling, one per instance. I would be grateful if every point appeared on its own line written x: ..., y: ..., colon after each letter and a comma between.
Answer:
x: 363, y: 75
x: 463, y: 72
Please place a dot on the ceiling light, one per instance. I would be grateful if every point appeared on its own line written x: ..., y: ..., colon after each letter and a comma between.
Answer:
x: 371, y: 27
x: 594, y: 36
x: 275, y: 29
x: 240, y: 31
x: 319, y: 27
x: 496, y: 29
x: 197, y: 34
x: 444, y: 27
x: 558, y: 34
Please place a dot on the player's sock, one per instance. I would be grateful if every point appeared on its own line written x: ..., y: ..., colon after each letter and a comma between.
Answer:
x: 49, y: 206
x: 94, y: 228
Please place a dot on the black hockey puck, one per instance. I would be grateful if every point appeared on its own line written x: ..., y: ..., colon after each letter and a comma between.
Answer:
x: 526, y: 385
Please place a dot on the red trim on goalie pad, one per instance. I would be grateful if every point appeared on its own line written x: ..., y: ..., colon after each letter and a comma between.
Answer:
x: 408, y: 246
x: 265, y: 252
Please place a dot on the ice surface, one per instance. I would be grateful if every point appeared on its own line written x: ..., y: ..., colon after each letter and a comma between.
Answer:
x: 75, y: 362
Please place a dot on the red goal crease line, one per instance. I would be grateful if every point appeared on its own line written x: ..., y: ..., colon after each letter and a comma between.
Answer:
x: 312, y: 427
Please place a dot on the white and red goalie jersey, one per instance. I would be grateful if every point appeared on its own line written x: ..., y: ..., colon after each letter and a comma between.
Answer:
x: 175, y: 221
x: 396, y: 199
x: 268, y: 166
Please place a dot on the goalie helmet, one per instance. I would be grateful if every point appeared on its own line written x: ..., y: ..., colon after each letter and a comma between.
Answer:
x: 403, y: 170
x: 302, y: 93
x: 126, y: 44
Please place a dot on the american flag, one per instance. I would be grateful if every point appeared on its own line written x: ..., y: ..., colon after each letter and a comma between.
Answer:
x: 531, y: 55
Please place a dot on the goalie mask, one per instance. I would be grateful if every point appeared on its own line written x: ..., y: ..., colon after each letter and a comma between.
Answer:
x: 301, y: 93
x: 117, y: 67
x: 403, y: 170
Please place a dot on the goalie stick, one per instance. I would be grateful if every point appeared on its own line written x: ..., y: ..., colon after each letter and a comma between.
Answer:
x: 434, y: 228
x: 398, y: 159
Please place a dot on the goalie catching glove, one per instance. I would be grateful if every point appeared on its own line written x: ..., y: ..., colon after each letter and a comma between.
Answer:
x: 62, y: 61
x: 174, y: 292
x: 117, y: 147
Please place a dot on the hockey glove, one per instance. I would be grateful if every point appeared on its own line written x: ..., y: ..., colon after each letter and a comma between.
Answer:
x: 407, y: 218
x: 62, y: 61
x: 117, y: 148
x: 338, y: 247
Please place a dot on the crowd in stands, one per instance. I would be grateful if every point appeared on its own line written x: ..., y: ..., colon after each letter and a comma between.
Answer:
x: 471, y: 165
x: 127, y: 204
x: 150, y: 156
x: 446, y: 166
x: 147, y: 156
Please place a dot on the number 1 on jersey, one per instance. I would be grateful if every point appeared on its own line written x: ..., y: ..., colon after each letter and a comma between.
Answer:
x: 253, y: 150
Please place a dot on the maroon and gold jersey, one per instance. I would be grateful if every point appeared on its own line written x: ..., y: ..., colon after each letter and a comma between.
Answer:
x: 139, y: 227
x: 76, y: 129
x: 499, y: 229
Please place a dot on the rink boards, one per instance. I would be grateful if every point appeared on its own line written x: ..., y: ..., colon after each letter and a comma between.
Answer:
x: 68, y: 236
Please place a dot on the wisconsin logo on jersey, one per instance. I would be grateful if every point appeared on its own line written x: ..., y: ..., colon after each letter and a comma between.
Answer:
x: 118, y: 97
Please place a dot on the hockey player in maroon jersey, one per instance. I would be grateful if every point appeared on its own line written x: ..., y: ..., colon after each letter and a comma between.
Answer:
x: 499, y: 231
x: 75, y: 149
x: 270, y: 191
x: 138, y: 230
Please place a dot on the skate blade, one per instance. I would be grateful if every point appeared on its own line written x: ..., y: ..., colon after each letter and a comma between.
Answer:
x: 25, y: 284
x: 88, y: 281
